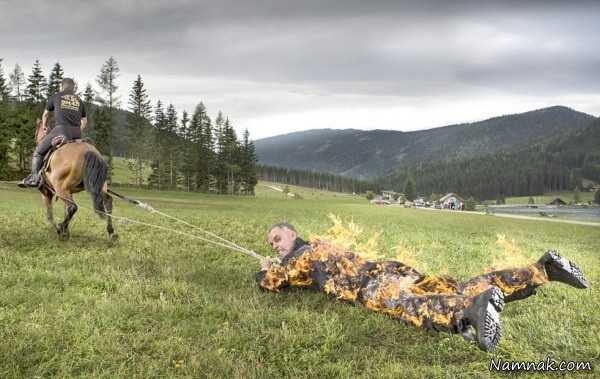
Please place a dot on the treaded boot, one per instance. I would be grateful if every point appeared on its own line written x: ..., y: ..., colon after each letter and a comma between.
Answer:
x: 33, y: 180
x: 560, y: 269
x: 484, y: 317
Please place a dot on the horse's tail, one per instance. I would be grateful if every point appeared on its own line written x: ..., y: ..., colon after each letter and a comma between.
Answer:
x: 95, y: 172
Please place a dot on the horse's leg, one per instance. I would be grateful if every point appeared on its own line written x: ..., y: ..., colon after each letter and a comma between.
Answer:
x: 108, y: 206
x: 70, y: 209
x: 47, y: 198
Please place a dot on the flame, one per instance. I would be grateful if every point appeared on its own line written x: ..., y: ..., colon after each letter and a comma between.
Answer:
x: 511, y: 255
x: 409, y: 257
x: 347, y: 236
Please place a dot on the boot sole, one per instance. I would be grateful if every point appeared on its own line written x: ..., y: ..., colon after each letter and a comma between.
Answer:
x: 489, y: 330
x: 565, y: 271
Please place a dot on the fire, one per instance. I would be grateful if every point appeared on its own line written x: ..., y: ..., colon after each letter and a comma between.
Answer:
x: 348, y: 236
x: 511, y: 255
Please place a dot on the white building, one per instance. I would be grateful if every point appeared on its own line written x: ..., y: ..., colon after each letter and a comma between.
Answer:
x: 452, y: 201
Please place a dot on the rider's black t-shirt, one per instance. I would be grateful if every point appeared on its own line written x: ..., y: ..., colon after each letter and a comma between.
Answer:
x: 68, y: 109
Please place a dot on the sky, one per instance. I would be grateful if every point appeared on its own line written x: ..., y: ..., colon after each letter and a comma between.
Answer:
x: 280, y: 66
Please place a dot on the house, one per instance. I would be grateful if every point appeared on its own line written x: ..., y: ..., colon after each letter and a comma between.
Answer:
x: 390, y: 195
x: 452, y: 201
x: 557, y: 201
x: 419, y: 202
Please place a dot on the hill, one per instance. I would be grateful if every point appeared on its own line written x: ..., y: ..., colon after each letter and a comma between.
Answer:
x: 370, y: 154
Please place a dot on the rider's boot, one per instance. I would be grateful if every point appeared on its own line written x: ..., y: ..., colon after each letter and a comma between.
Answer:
x: 33, y: 180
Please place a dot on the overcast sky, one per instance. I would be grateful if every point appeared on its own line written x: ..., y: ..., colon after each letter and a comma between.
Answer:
x: 279, y: 66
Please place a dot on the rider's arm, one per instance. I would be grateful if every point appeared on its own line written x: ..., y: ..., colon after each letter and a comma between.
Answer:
x: 83, y: 122
x: 45, y: 118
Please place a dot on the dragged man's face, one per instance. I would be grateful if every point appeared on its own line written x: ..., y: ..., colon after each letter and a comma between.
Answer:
x: 282, y: 240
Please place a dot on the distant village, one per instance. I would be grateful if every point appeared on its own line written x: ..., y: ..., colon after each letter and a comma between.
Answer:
x: 449, y: 201
x: 454, y: 202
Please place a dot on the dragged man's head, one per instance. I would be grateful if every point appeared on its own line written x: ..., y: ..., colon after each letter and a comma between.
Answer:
x: 281, y: 237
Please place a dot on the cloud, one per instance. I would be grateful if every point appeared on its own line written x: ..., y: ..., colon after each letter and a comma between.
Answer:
x: 264, y: 62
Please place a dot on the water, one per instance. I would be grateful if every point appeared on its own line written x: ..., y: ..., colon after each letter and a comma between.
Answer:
x: 564, y: 212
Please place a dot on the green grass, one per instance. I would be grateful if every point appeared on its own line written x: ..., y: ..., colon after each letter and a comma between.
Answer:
x: 122, y: 174
x: 85, y: 309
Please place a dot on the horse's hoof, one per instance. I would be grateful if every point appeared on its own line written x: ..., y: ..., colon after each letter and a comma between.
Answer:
x: 113, y: 238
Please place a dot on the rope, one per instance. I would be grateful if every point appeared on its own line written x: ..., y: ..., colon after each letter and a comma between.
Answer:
x: 229, y: 245
x: 149, y: 208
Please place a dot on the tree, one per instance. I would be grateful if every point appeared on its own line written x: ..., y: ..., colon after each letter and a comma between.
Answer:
x: 576, y: 195
x: 370, y: 195
x: 159, y: 176
x: 410, y: 189
x: 470, y: 204
x: 4, y: 90
x: 5, y: 140
x: 138, y: 123
x: 171, y: 142
x: 88, y: 95
x: 36, y: 89
x: 17, y: 82
x: 230, y: 159
x: 187, y: 166
x: 54, y: 79
x: 248, y: 165
x: 107, y: 80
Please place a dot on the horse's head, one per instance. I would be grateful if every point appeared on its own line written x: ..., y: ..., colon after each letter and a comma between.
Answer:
x: 40, y: 132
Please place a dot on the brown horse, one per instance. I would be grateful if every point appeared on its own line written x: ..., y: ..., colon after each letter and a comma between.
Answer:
x: 73, y: 168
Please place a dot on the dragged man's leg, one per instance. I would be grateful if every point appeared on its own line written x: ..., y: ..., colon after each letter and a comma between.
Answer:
x: 476, y: 318
x: 522, y: 282
x: 515, y: 284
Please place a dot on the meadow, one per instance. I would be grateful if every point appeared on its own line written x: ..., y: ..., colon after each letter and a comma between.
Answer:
x: 157, y: 304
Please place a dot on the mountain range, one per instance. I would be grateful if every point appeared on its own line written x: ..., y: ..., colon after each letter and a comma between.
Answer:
x: 377, y: 153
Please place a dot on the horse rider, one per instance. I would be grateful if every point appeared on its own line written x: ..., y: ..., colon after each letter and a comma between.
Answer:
x: 70, y: 117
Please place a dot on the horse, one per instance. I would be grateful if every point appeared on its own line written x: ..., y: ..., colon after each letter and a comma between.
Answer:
x: 74, y: 167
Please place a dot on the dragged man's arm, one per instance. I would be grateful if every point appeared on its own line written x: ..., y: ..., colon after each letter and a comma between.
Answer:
x: 273, y: 278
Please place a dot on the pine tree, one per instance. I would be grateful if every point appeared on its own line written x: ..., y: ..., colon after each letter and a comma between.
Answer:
x: 187, y: 152
x: 88, y: 100
x: 4, y: 90
x: 36, y: 89
x: 17, y: 82
x: 88, y: 95
x: 138, y: 124
x: 171, y: 141
x: 576, y: 195
x: 158, y: 177
x: 230, y: 158
x: 102, y: 134
x: 107, y: 80
x: 208, y: 153
x: 5, y: 140
x: 200, y: 133
x: 248, y: 165
x: 54, y: 79
x: 410, y: 189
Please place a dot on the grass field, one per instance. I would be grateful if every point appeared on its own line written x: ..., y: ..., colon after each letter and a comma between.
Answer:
x: 160, y: 305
